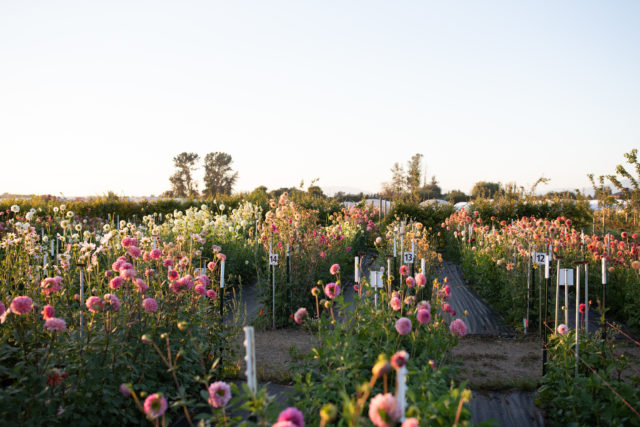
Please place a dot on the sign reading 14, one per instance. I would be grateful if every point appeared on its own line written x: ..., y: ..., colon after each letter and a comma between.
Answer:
x: 273, y: 259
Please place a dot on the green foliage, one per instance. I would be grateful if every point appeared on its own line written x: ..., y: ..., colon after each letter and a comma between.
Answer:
x: 484, y: 189
x: 507, y: 210
x: 431, y: 216
x: 339, y: 369
x: 588, y: 399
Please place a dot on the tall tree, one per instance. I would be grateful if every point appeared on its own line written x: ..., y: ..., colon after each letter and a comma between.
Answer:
x: 414, y: 171
x: 182, y: 183
x: 219, y: 178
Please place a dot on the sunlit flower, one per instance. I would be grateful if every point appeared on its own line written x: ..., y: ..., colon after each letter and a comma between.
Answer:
x: 21, y: 305
x: 55, y: 324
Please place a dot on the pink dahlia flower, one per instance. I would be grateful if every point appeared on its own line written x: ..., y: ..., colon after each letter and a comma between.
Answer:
x: 404, y: 270
x: 55, y: 324
x: 395, y: 303
x: 113, y: 301
x: 384, y: 410
x: 47, y: 312
x: 150, y: 305
x: 332, y: 290
x: 219, y: 394
x: 399, y: 359
x: 94, y: 304
x: 423, y: 316
x: 403, y: 326
x: 335, y: 269
x: 458, y: 327
x: 21, y: 305
x: 300, y: 315
x: 155, y: 405
x: 292, y: 415
x: 115, y: 283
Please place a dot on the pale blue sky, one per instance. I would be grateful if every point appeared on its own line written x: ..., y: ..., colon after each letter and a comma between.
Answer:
x: 98, y: 96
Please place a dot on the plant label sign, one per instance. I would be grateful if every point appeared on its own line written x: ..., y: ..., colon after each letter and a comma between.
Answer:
x: 408, y: 257
x: 565, y: 273
x: 273, y: 259
x: 200, y: 271
x: 540, y: 257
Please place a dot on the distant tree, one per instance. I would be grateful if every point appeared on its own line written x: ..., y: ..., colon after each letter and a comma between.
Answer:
x: 414, y: 172
x: 182, y: 183
x: 485, y: 189
x: 314, y: 190
x: 396, y: 189
x: 631, y: 192
x: 219, y: 178
x: 456, y: 196
x: 431, y: 190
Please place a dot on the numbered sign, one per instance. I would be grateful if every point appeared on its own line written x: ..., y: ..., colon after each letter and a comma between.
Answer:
x: 569, y: 277
x: 199, y: 271
x: 379, y: 279
x: 273, y: 259
x: 540, y: 257
x: 408, y: 257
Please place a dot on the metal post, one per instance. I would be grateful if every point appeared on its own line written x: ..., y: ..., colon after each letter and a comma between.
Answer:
x: 555, y: 321
x: 546, y: 311
x: 528, y: 291
x: 586, y: 298
x: 273, y: 291
x: 81, y: 300
x: 604, y: 295
x: 566, y: 299
x: 577, y: 314
x: 222, y: 290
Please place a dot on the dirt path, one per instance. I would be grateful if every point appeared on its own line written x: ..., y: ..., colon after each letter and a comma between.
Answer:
x: 493, y: 363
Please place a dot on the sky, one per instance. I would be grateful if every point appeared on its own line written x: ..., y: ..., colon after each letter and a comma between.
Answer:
x: 100, y: 96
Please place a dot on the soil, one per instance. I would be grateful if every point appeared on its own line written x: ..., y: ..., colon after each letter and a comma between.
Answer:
x: 273, y: 352
x: 495, y: 363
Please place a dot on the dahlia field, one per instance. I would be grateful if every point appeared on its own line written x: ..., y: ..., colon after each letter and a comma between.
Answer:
x: 107, y: 322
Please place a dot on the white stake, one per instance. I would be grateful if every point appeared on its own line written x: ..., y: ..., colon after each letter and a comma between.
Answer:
x: 250, y: 358
x: 604, y: 271
x: 401, y: 390
x: 222, y: 274
x: 373, y: 279
x: 356, y: 270
x: 423, y: 266
x: 395, y: 251
x: 546, y: 267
